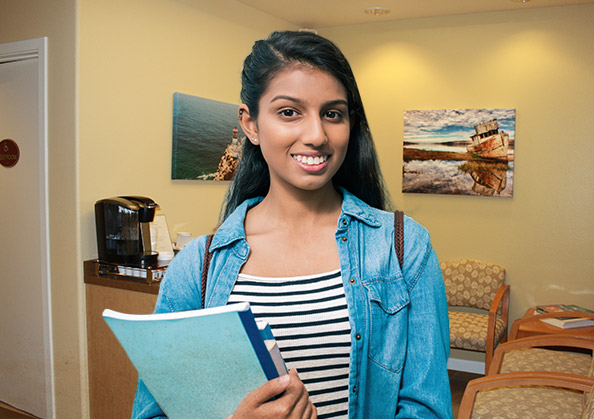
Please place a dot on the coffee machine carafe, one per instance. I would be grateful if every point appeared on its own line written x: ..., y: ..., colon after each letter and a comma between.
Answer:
x: 123, y: 230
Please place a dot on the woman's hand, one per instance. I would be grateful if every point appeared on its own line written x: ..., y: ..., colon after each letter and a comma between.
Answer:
x: 292, y: 400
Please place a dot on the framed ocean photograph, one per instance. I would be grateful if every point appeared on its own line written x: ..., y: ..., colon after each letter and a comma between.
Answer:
x: 206, y: 138
x: 459, y: 152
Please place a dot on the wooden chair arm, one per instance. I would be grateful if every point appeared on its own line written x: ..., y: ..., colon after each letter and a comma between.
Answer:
x: 559, y: 340
x: 517, y: 323
x: 535, y: 378
x: 501, y: 298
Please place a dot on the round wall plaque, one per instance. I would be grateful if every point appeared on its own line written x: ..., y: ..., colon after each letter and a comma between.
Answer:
x: 9, y: 153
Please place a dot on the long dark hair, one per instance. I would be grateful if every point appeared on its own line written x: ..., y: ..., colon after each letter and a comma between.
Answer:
x: 360, y: 173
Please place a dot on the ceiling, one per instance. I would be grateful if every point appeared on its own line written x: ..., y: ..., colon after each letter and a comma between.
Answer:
x: 315, y: 14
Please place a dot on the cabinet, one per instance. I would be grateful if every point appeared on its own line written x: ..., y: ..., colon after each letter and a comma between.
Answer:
x: 112, y: 377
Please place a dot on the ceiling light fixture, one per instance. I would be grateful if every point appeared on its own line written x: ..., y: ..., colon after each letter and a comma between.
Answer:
x: 377, y: 11
x: 520, y: 1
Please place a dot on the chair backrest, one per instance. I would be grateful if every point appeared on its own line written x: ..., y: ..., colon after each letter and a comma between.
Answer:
x: 471, y: 283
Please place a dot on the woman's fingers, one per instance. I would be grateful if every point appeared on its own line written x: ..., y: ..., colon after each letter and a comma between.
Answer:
x: 269, y: 390
x: 299, y: 405
x: 255, y: 404
x: 283, y: 397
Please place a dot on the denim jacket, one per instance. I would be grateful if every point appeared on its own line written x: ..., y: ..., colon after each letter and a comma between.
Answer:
x: 399, y: 322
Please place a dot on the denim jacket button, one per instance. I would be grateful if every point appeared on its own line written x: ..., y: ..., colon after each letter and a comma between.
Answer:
x: 344, y: 239
x: 358, y: 336
x: 344, y: 222
x: 354, y: 389
x: 352, y: 280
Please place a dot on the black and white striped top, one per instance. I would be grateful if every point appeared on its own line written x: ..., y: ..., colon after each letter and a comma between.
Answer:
x: 309, y: 318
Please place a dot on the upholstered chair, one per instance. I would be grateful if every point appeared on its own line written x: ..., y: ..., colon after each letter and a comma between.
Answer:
x: 557, y: 353
x: 479, y: 287
x: 538, y: 376
x: 536, y: 394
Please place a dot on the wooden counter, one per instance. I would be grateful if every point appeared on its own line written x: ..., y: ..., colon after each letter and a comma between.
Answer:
x: 112, y: 377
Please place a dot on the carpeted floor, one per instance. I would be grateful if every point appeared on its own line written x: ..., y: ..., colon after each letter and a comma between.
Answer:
x: 458, y: 381
x: 8, y: 412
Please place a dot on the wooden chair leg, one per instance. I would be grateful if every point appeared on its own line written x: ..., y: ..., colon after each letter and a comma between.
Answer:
x: 488, y: 359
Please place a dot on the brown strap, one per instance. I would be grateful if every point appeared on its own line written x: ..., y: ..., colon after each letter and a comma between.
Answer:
x: 399, y: 236
x: 205, y: 265
x: 398, y: 243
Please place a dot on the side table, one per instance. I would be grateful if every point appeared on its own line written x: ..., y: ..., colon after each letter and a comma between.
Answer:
x: 530, y: 325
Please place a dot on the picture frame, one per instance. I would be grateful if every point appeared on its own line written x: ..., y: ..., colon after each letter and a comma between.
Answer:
x: 206, y: 139
x: 459, y: 152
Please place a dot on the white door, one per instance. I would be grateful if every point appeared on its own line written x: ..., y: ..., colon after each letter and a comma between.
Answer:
x: 26, y: 379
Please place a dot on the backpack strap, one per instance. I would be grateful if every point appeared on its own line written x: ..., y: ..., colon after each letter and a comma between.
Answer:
x: 399, y: 236
x: 398, y: 244
x: 205, y: 265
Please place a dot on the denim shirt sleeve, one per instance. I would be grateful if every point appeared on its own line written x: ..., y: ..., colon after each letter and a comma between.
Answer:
x: 425, y: 390
x: 180, y: 290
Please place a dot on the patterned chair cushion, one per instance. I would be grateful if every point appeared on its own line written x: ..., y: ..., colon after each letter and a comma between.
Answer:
x: 469, y: 330
x: 528, y: 403
x: 471, y: 283
x: 537, y: 359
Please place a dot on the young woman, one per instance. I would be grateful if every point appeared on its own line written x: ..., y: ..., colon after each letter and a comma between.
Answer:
x: 305, y: 239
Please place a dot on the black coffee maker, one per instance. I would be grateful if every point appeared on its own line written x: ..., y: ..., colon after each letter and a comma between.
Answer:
x: 123, y: 230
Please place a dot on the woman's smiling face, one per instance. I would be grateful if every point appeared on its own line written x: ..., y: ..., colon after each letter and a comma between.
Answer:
x: 303, y: 128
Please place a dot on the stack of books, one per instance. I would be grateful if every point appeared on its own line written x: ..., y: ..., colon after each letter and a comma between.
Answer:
x: 565, y: 322
x: 199, y: 363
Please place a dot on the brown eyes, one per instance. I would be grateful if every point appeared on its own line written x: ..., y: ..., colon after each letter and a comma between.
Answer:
x: 290, y: 113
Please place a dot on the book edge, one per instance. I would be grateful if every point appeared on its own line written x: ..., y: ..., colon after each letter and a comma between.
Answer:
x: 236, y: 307
x: 569, y: 323
x: 258, y: 344
x: 562, y: 307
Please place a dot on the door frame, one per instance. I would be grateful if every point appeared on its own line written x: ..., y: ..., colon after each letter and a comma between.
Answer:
x: 28, y: 50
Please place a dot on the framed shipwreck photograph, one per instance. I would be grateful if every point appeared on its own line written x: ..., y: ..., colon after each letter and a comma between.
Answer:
x: 206, y: 138
x: 459, y: 152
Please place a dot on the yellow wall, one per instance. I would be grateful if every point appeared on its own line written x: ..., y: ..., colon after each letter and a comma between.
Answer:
x: 134, y: 55
x: 538, y: 61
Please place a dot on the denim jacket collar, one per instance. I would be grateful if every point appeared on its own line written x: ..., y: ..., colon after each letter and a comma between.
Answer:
x: 232, y: 228
x: 355, y: 208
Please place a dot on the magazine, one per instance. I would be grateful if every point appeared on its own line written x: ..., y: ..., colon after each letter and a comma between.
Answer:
x: 565, y: 322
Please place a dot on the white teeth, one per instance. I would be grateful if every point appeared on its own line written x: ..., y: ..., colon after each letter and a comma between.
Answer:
x: 309, y: 160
